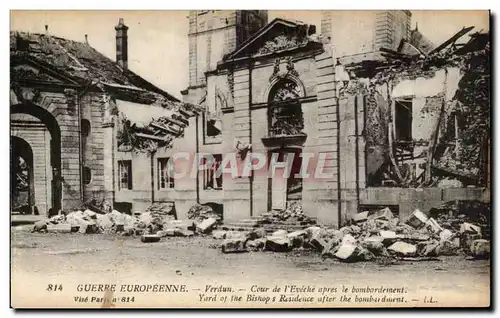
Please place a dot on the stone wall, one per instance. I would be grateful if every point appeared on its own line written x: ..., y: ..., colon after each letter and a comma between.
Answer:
x: 94, y: 146
x: 38, y: 137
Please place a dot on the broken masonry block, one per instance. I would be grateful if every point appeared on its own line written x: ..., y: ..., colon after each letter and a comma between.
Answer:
x: 206, y: 225
x: 427, y: 249
x: 470, y: 228
x: 417, y: 220
x: 348, y: 238
x: 432, y: 226
x: 360, y: 217
x: 218, y: 234
x: 403, y: 249
x: 90, y: 214
x: 150, y: 238
x: 296, y: 234
x: 233, y: 245
x: 393, y: 224
x: 448, y: 248
x: 363, y: 254
x: 146, y: 218
x: 235, y: 234
x: 346, y: 251
x: 278, y: 244
x: 318, y: 243
x: 298, y: 241
x: 183, y: 232
x: 104, y: 221
x: 384, y: 214
x: 480, y: 249
x: 331, y: 248
x: 445, y: 235
x: 169, y: 232
x: 257, y: 233
x: 374, y: 244
x: 388, y: 235
x: 256, y: 245
x: 59, y: 228
x: 280, y: 233
x: 40, y: 226
x: 313, y: 230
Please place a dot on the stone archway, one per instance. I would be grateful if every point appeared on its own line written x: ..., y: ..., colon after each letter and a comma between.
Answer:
x: 53, y: 149
x: 22, y: 190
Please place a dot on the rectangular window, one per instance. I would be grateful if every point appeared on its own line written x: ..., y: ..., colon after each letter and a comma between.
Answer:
x: 403, y: 120
x: 211, y: 180
x: 125, y: 174
x: 165, y: 181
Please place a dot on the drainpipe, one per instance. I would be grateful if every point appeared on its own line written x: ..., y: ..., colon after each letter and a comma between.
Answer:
x: 339, y: 186
x: 250, y: 68
x: 196, y: 158
x: 80, y: 143
x: 152, y: 154
x: 356, y: 133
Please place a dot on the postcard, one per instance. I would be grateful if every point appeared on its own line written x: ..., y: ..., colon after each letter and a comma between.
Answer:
x: 250, y: 159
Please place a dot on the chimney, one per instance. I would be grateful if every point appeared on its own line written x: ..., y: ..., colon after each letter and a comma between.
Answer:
x: 121, y: 44
x: 326, y: 24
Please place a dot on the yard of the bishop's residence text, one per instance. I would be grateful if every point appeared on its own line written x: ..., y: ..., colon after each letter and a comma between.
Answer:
x: 203, y: 276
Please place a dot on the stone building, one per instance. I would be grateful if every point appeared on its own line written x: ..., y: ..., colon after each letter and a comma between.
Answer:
x: 275, y: 88
x: 62, y: 100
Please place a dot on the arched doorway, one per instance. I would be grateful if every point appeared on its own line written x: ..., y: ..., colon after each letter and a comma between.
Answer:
x: 285, y: 138
x: 22, y: 194
x: 54, y: 149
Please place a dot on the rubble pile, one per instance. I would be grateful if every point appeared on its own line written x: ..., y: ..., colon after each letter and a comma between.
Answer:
x: 158, y: 221
x: 370, y: 236
x: 293, y: 213
x: 201, y: 212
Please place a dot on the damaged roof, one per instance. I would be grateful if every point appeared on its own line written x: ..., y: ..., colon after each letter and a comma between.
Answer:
x: 78, y: 61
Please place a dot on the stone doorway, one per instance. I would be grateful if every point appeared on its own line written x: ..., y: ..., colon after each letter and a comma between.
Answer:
x: 41, y: 159
x: 285, y: 189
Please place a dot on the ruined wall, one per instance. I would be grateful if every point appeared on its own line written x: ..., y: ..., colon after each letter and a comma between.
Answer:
x: 62, y: 105
x: 93, y: 146
x: 33, y: 131
x: 427, y: 94
x: 372, y: 29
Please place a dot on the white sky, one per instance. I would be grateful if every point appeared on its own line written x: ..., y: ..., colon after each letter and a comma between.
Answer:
x: 158, y: 43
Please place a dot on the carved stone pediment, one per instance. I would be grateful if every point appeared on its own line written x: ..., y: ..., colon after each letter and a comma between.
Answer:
x: 278, y: 36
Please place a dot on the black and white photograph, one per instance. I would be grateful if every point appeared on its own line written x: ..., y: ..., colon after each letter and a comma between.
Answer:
x: 250, y: 159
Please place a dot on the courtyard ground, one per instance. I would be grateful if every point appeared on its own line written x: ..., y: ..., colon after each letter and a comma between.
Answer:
x: 70, y: 260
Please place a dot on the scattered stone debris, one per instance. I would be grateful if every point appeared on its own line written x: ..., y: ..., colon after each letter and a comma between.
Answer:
x: 199, y: 212
x: 371, y: 236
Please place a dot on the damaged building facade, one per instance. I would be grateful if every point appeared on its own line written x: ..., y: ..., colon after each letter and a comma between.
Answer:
x: 378, y: 111
x: 65, y: 98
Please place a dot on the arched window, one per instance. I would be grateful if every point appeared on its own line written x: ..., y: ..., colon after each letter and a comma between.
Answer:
x: 85, y: 127
x: 284, y: 90
x: 285, y: 116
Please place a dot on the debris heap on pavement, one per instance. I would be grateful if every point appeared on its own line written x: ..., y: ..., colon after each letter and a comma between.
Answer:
x: 376, y: 235
x: 199, y: 212
x: 371, y: 235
